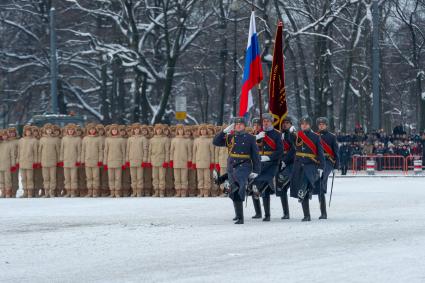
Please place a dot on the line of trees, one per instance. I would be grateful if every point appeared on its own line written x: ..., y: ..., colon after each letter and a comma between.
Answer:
x: 127, y: 60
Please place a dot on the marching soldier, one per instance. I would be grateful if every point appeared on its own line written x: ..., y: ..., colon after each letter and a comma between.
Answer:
x: 92, y: 159
x: 256, y: 129
x: 308, y: 165
x: 137, y: 156
x: 271, y: 151
x: 159, y: 157
x: 284, y: 175
x: 70, y: 159
x: 114, y: 159
x: 7, y: 164
x: 330, y: 149
x: 243, y: 162
x: 27, y: 156
x: 49, y: 152
x: 202, y: 159
x: 14, y: 141
x: 180, y: 160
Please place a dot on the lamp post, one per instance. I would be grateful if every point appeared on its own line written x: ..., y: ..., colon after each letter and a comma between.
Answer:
x: 376, y: 109
x: 234, y: 7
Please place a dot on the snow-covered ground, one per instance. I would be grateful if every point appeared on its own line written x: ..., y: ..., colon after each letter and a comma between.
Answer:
x: 376, y: 233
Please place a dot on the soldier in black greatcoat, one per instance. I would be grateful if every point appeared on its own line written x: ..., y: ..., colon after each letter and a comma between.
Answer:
x: 330, y: 149
x: 308, y: 165
x: 243, y: 162
x: 256, y: 129
x: 285, y: 171
x: 271, y: 150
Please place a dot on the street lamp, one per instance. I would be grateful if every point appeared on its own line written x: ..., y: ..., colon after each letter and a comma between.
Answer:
x: 234, y: 7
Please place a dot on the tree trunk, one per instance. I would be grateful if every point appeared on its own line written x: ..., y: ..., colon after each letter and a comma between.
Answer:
x: 104, y: 103
x: 168, y: 85
x: 295, y: 80
x: 349, y: 71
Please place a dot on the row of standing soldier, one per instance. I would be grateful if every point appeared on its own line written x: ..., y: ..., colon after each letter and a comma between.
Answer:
x: 270, y: 161
x: 113, y: 160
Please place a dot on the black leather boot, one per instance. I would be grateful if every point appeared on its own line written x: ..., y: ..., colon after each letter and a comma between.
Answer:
x: 239, y: 212
x: 257, y: 207
x: 236, y: 213
x: 266, y: 203
x: 306, y: 209
x: 322, y: 200
x: 285, y: 205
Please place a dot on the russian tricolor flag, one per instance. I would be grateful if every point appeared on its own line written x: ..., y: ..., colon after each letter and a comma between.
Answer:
x: 253, y: 73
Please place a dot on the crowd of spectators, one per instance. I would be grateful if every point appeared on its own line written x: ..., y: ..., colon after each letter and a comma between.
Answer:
x: 380, y: 143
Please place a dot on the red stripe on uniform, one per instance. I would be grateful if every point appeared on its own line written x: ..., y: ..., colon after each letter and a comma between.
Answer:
x: 308, y: 142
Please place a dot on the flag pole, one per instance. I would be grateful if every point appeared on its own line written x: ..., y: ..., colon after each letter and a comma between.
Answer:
x: 260, y: 100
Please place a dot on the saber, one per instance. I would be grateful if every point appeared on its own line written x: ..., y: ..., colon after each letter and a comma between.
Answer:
x: 332, y: 188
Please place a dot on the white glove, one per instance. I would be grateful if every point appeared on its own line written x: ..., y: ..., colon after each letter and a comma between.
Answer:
x: 292, y: 129
x: 335, y: 171
x: 265, y: 158
x: 253, y: 175
x: 215, y: 175
x: 260, y: 135
x: 320, y: 172
x: 282, y: 165
x: 229, y: 128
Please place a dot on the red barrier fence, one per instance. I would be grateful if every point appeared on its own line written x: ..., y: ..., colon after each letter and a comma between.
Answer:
x: 387, y: 164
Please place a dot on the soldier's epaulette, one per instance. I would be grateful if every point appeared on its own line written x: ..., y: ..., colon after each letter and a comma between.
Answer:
x: 279, y: 132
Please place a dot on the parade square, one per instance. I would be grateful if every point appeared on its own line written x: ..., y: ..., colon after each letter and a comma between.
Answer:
x: 374, y: 233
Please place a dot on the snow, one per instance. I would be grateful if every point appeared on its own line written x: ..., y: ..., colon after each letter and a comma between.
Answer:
x: 375, y: 233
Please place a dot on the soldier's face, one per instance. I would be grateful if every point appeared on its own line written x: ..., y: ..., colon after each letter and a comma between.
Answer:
x: 137, y: 131
x: 92, y: 131
x: 286, y: 125
x: 158, y: 131
x: 4, y: 137
x: 322, y: 126
x: 203, y: 132
x: 267, y: 123
x: 12, y: 134
x: 257, y: 127
x: 239, y: 127
x: 114, y: 132
x: 28, y: 133
x: 49, y: 131
x: 144, y: 132
x: 305, y: 126
x: 180, y: 132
